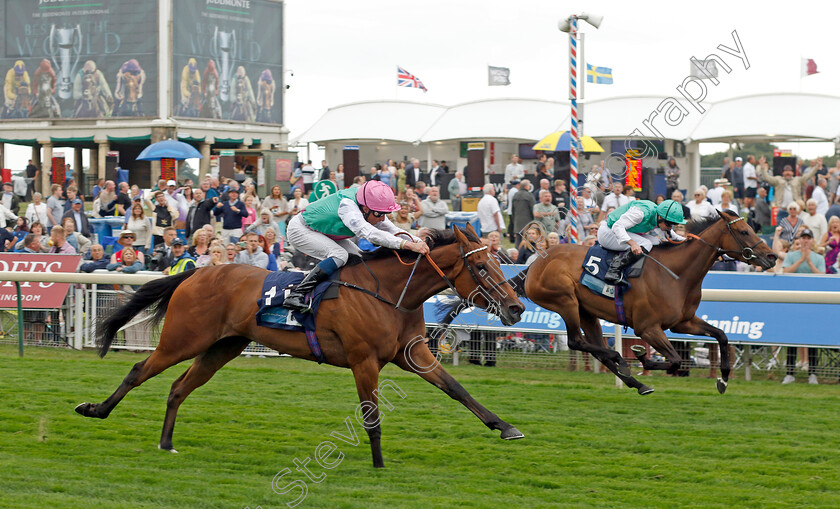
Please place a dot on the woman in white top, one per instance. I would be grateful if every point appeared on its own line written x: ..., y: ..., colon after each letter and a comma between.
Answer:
x: 726, y: 202
x: 140, y: 225
x: 701, y: 207
x: 278, y: 206
x: 297, y: 203
x: 36, y: 212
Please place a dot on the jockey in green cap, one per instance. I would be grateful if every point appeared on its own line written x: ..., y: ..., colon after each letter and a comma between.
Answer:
x: 635, y: 228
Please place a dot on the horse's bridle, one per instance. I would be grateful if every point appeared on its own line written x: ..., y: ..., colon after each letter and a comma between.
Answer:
x: 747, y: 252
x: 398, y: 305
x: 464, y: 257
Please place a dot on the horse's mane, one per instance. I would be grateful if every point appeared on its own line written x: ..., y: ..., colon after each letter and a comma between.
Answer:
x: 697, y: 227
x: 435, y: 239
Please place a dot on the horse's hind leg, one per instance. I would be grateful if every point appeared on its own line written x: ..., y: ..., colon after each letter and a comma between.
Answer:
x: 165, y: 356
x: 203, y: 368
x: 656, y: 338
x: 417, y: 358
x: 699, y: 327
x: 592, y: 328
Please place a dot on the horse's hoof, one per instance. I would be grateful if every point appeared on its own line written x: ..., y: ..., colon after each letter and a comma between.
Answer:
x: 639, y: 351
x: 624, y: 369
x: 512, y: 434
x: 644, y: 390
x: 86, y: 409
x: 721, y: 385
x: 173, y: 451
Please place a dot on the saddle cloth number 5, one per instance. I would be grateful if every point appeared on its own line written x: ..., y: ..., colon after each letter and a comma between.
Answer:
x: 592, y: 265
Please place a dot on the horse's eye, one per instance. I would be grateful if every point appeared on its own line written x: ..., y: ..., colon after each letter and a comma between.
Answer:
x: 744, y: 233
x: 480, y: 266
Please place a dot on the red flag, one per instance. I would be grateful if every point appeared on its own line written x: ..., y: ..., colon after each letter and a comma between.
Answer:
x: 808, y: 67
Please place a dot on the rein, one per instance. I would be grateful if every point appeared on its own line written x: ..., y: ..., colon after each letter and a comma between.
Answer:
x: 747, y: 252
x: 434, y: 265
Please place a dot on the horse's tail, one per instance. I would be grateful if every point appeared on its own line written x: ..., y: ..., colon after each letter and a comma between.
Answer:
x: 517, y: 282
x: 157, y: 292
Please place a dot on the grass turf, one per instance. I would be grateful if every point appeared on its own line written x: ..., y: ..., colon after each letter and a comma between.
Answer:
x: 587, y: 443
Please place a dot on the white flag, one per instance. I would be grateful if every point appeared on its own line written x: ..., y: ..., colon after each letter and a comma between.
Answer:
x: 498, y: 76
x: 704, y: 69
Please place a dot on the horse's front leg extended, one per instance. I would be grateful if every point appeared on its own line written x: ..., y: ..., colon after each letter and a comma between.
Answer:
x: 417, y: 358
x: 366, y: 374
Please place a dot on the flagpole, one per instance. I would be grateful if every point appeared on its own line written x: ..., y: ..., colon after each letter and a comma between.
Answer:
x: 573, y: 146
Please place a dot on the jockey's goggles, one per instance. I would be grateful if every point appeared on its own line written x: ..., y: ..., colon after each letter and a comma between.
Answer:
x: 377, y: 213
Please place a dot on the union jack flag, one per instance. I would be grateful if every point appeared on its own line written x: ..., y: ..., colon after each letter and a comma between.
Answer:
x: 406, y: 79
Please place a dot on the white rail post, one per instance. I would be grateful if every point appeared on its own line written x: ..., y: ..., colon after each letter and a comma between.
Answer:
x: 78, y: 323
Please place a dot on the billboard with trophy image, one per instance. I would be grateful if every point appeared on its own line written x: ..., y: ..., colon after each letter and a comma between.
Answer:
x: 78, y: 59
x: 227, y: 58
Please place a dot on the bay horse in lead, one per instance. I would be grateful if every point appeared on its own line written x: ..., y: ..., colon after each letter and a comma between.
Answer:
x: 360, y: 330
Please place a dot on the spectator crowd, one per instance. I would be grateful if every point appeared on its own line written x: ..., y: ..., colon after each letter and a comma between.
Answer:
x: 227, y: 221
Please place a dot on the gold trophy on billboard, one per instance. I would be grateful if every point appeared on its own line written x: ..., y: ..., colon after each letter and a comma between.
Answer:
x: 64, y: 44
x: 224, y: 49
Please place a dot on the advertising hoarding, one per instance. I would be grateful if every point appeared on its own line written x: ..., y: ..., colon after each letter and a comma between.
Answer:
x: 743, y: 322
x: 227, y: 60
x: 78, y: 58
x: 36, y: 295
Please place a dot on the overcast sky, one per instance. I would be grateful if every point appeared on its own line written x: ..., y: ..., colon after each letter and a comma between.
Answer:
x: 343, y: 51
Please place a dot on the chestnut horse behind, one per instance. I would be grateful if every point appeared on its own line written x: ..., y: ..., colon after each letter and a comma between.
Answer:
x: 655, y: 302
x: 356, y: 330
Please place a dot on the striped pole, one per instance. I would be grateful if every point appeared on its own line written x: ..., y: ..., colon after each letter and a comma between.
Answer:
x: 573, y: 148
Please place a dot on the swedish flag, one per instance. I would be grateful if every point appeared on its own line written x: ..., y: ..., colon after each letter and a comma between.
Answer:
x: 599, y: 75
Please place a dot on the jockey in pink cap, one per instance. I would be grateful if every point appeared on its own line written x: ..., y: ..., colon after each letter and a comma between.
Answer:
x: 325, y: 229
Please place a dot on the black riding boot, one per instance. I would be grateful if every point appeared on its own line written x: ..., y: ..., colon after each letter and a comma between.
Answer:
x: 615, y: 274
x: 297, y: 297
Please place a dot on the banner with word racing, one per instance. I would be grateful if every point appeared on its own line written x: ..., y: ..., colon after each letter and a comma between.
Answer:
x: 36, y: 295
x: 743, y: 322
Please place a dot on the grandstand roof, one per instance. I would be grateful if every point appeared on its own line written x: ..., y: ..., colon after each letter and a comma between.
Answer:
x: 767, y: 117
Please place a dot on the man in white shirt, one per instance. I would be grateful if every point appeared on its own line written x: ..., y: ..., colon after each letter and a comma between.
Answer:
x: 515, y: 185
x: 750, y: 182
x: 307, y: 172
x: 434, y: 211
x: 615, y: 199
x: 820, y: 197
x: 588, y: 201
x: 815, y: 221
x: 715, y: 193
x: 514, y: 170
x: 433, y: 173
x: 489, y: 213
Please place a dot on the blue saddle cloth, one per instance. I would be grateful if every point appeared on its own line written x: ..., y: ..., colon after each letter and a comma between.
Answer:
x: 595, y: 266
x: 271, y: 312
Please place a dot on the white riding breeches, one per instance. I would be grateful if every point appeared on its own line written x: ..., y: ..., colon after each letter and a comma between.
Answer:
x: 607, y: 238
x: 316, y: 244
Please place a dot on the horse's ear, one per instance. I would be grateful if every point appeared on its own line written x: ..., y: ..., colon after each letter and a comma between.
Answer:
x: 470, y: 229
x: 459, y: 235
